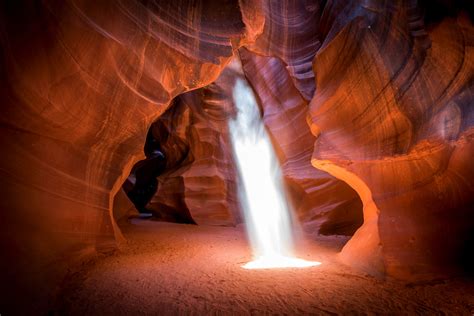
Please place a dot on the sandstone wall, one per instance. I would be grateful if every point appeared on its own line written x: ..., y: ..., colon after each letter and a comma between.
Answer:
x: 81, y: 83
x: 393, y: 118
x: 390, y: 93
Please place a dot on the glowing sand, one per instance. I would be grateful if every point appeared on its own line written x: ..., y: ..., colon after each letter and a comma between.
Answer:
x: 266, y: 211
x: 279, y: 262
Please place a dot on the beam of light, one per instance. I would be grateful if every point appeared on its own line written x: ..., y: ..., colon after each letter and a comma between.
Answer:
x: 265, y: 208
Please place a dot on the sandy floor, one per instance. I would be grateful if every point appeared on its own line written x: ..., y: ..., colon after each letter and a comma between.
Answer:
x: 186, y: 269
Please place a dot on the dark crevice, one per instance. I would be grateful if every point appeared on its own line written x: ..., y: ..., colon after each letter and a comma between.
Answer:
x: 142, y: 184
x: 164, y: 153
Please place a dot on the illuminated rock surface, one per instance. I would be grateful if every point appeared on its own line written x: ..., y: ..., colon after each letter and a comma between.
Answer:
x: 322, y: 203
x: 394, y: 119
x: 204, y: 180
x: 81, y: 84
x: 386, y: 92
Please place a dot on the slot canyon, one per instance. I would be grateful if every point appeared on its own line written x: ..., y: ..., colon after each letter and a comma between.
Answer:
x: 153, y: 149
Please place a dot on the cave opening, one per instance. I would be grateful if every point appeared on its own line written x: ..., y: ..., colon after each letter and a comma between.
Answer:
x: 165, y: 152
x: 369, y: 108
x: 169, y: 184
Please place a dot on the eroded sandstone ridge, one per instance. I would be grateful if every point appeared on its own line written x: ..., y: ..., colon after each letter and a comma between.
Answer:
x: 81, y: 83
x: 199, y: 183
x: 322, y: 203
x: 205, y: 183
x: 393, y: 113
x: 385, y: 88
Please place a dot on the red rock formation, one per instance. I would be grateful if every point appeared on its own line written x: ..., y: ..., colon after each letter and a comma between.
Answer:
x: 81, y: 83
x: 123, y: 208
x: 322, y: 203
x: 291, y: 33
x: 390, y: 105
x: 205, y: 184
x: 393, y: 119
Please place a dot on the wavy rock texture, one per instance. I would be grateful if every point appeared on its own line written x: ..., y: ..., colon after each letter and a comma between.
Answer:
x: 390, y: 93
x: 322, y: 203
x: 82, y: 82
x: 291, y: 33
x: 204, y: 184
x: 394, y: 119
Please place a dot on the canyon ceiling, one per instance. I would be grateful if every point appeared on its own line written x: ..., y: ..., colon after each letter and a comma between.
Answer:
x: 370, y: 106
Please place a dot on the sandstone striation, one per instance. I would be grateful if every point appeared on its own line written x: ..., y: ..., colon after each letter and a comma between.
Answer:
x: 322, y: 203
x: 376, y: 95
x: 393, y: 118
x: 81, y: 83
x: 203, y: 179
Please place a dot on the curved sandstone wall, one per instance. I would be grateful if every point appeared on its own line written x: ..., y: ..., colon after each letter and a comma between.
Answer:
x: 386, y: 91
x: 393, y: 118
x: 81, y: 83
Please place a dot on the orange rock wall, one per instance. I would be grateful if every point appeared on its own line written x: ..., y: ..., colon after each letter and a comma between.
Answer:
x: 205, y: 183
x: 81, y: 83
x: 390, y: 94
x: 393, y: 118
x: 322, y: 203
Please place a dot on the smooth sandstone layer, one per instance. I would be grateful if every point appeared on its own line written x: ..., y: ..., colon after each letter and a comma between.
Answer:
x: 394, y: 119
x: 81, y: 84
x: 390, y: 97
